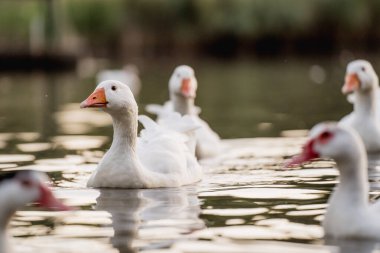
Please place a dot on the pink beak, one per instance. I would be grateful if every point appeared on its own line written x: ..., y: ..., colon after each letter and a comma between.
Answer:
x: 351, y: 83
x: 48, y: 200
x: 186, y: 88
x: 307, y: 154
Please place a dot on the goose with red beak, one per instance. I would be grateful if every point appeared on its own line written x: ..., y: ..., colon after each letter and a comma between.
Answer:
x: 182, y: 91
x: 18, y: 189
x: 349, y: 214
x: 362, y: 80
x: 160, y: 157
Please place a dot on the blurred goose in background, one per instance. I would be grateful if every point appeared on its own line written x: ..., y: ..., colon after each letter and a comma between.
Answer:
x: 362, y: 80
x: 128, y: 75
x: 160, y: 157
x: 349, y: 215
x: 182, y: 90
x: 351, y: 100
x: 18, y: 189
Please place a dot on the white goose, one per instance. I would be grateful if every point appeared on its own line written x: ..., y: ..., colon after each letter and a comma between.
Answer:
x: 159, y: 158
x: 18, y: 189
x: 363, y: 81
x: 182, y: 90
x: 349, y: 215
x: 129, y: 75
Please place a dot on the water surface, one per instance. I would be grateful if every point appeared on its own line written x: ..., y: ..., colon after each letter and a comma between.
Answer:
x: 246, y: 203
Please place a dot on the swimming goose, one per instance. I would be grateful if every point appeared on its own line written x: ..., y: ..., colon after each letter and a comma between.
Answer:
x: 129, y: 75
x: 160, y: 157
x: 18, y: 189
x: 182, y: 90
x: 363, y: 81
x: 349, y: 215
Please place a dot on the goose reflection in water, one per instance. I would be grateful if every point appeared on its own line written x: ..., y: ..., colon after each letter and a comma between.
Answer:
x: 154, y: 217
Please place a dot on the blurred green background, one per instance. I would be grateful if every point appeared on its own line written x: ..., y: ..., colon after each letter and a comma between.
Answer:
x: 168, y: 28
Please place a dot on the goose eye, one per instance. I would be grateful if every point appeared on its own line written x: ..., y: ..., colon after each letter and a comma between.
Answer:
x: 363, y: 69
x: 113, y: 87
x: 26, y: 183
x: 325, y: 136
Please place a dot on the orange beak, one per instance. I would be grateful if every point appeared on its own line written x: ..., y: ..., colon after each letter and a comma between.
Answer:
x: 351, y: 83
x: 186, y: 88
x: 96, y: 99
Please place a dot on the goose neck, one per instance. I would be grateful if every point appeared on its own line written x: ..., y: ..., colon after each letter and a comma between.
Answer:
x: 181, y: 104
x: 125, y: 130
x: 6, y: 212
x: 366, y: 102
x: 353, y: 180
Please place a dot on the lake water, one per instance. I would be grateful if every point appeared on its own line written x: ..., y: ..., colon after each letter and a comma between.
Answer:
x: 246, y: 202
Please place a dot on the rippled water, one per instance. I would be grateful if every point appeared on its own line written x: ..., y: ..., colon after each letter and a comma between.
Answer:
x: 246, y: 202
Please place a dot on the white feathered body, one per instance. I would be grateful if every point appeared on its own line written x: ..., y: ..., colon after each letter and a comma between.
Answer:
x: 367, y: 127
x: 343, y: 219
x: 362, y: 80
x: 207, y: 141
x: 351, y: 98
x: 161, y: 159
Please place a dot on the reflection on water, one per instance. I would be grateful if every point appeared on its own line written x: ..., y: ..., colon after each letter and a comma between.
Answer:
x: 246, y: 203
x: 148, y: 219
x: 234, y: 206
x: 124, y: 207
x: 238, y: 207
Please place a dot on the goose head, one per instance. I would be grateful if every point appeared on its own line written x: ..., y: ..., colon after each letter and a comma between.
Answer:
x: 360, y: 77
x: 23, y: 187
x: 114, y: 97
x: 330, y: 140
x: 183, y: 82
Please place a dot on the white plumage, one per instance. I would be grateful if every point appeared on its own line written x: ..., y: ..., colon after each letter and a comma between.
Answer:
x: 17, y: 190
x: 182, y: 90
x: 349, y: 215
x: 362, y: 80
x: 160, y: 157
